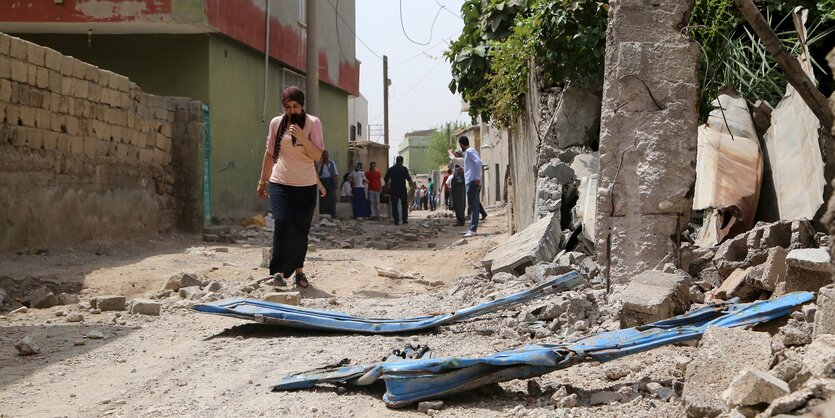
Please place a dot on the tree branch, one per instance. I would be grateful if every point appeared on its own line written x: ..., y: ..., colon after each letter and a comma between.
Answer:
x: 791, y: 67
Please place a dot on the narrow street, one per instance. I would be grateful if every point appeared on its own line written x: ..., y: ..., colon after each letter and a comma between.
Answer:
x: 186, y: 363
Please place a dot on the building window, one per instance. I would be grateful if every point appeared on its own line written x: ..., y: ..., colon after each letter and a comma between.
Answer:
x: 353, y: 134
x: 359, y: 129
x: 292, y: 78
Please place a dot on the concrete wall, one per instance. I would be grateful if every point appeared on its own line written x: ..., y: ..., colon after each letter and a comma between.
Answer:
x: 85, y: 154
x: 358, y: 118
x: 647, y: 137
x: 242, y: 20
x: 495, y: 154
x: 414, y: 150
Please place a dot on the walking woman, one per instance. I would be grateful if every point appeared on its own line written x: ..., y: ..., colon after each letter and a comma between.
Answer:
x: 359, y: 181
x: 294, y: 143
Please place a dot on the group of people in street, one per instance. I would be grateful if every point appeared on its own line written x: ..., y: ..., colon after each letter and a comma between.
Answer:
x: 296, y: 168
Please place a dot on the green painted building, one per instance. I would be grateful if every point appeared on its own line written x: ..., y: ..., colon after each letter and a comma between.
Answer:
x: 414, y: 148
x: 213, y: 51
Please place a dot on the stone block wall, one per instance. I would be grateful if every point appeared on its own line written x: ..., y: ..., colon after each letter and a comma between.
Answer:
x: 648, y: 135
x: 85, y: 154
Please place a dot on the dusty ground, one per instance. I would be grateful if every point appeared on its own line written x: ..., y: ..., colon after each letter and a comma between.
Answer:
x: 187, y: 364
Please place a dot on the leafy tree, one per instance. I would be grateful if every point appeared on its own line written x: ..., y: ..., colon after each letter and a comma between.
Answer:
x: 437, y: 151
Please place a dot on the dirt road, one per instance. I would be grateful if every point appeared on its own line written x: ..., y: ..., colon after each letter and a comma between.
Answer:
x: 187, y: 364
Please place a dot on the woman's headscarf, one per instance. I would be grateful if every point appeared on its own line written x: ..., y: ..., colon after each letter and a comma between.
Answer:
x: 297, y: 95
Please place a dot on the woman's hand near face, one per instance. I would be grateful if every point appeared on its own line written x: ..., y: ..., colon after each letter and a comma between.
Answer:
x: 297, y: 132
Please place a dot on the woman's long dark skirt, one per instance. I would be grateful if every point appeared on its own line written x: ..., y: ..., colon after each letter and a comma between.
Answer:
x: 293, y: 211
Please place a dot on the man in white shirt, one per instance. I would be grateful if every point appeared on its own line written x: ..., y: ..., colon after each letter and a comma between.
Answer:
x: 472, y: 177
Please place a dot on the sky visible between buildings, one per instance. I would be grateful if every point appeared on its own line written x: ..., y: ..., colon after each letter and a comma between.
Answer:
x: 419, y: 96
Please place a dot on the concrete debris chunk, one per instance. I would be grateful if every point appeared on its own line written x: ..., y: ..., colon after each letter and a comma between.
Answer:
x: 538, y: 242
x: 20, y: 310
x: 723, y: 353
x: 825, y: 314
x: 652, y: 296
x: 425, y: 406
x: 40, y: 298
x: 287, y: 298
x: 661, y: 392
x: 145, y: 307
x: 67, y: 299
x: 736, y: 285
x: 94, y: 334
x: 108, y: 303
x: 751, y: 248
x: 25, y: 347
x: 752, y: 386
x: 214, y: 286
x: 75, y: 317
x: 191, y: 292
x: 541, y: 271
x: 808, y: 270
x: 181, y: 280
x: 766, y: 275
x: 819, y: 358
x: 266, y: 256
x: 395, y: 274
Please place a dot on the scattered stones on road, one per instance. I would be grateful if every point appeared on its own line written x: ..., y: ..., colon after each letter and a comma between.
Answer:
x: 25, y: 347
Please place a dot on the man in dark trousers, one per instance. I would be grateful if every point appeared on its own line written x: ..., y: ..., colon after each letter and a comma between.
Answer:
x: 396, y: 178
x: 472, y: 177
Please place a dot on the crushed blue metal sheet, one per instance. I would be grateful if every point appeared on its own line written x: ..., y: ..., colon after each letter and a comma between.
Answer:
x: 293, y: 316
x: 411, y: 381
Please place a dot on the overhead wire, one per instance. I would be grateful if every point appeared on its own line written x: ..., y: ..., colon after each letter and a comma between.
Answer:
x: 424, y: 52
x: 414, y: 86
x: 352, y: 32
x: 449, y: 11
x: 431, y: 28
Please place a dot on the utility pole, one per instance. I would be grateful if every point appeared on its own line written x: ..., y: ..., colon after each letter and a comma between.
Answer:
x: 386, y: 83
x: 311, y: 104
x: 312, y: 81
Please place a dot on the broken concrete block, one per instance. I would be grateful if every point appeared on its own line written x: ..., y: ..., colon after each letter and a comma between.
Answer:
x: 540, y: 271
x: 808, y: 270
x: 752, y: 386
x: 25, y: 347
x: 287, y: 298
x: 180, y: 280
x: 266, y: 257
x: 40, y: 298
x: 825, y: 314
x: 751, y: 248
x: 191, y: 292
x: 108, y: 303
x: 736, y: 285
x: 67, y: 299
x: 766, y: 275
x: 723, y: 353
x: 557, y: 170
x: 819, y: 359
x: 145, y: 307
x: 538, y: 242
x: 652, y: 296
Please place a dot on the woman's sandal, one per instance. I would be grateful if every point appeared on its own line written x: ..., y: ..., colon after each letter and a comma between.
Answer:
x: 301, y: 280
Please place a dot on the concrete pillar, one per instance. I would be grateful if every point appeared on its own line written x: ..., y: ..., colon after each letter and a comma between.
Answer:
x: 647, y: 136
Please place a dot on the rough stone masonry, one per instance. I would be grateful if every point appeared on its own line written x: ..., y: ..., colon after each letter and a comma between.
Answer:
x: 648, y: 135
x: 85, y: 154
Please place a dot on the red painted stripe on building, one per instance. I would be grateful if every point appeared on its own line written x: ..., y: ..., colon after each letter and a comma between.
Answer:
x: 81, y: 11
x: 243, y: 21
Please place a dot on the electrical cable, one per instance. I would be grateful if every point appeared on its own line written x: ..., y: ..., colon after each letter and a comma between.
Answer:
x: 448, y: 11
x: 414, y: 86
x: 431, y: 28
x: 424, y: 52
x: 352, y: 31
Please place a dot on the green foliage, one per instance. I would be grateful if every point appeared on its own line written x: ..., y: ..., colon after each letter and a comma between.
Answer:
x: 437, y: 152
x: 734, y: 55
x: 490, y: 58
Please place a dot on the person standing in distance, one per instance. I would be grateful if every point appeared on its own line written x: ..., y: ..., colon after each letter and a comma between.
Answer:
x: 472, y: 177
x: 294, y: 143
x: 396, y: 177
x: 329, y: 177
x: 375, y: 186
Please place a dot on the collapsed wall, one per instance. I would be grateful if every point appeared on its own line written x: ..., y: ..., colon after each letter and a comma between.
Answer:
x: 85, y: 154
x: 648, y: 136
